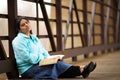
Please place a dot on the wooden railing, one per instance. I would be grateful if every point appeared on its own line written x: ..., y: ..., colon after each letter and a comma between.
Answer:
x: 9, y: 67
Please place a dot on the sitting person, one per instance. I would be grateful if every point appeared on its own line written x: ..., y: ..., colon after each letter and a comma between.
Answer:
x: 29, y: 52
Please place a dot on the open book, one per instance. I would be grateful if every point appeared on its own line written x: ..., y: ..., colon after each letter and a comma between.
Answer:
x: 51, y: 60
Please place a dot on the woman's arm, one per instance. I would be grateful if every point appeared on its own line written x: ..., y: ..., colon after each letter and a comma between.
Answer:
x: 22, y: 52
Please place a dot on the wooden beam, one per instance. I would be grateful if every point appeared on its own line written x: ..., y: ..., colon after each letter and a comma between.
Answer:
x: 45, y: 16
x: 117, y: 27
x: 106, y: 24
x: 102, y: 21
x: 12, y: 15
x: 68, y: 22
x: 4, y: 38
x: 72, y: 36
x: 59, y: 25
x: 37, y: 16
x: 3, y: 16
x: 85, y: 22
x: 85, y: 50
x: 79, y: 25
x: 2, y: 51
x: 90, y: 28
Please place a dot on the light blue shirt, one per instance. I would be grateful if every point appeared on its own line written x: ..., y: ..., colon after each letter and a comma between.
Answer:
x: 28, y: 51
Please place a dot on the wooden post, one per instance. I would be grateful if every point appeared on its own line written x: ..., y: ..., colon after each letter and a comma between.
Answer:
x: 45, y: 16
x: 59, y: 25
x: 12, y: 14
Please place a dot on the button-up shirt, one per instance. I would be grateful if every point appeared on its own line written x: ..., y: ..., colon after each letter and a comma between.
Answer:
x: 28, y: 51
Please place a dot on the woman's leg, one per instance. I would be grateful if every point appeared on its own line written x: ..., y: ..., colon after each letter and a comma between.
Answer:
x: 73, y: 71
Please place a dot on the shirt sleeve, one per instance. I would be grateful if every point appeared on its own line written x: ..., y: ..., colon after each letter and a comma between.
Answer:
x: 22, y: 53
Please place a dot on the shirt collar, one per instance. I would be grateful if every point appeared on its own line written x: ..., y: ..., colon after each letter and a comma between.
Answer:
x: 32, y: 37
x: 23, y: 35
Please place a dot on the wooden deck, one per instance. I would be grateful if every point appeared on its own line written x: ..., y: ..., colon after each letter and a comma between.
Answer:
x: 108, y: 67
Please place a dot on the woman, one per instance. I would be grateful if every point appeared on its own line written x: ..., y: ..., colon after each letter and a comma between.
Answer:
x: 29, y: 52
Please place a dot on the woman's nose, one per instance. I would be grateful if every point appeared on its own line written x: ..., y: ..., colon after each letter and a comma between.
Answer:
x: 26, y: 24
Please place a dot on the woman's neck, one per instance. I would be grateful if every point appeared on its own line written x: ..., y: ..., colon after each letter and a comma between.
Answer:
x: 28, y: 34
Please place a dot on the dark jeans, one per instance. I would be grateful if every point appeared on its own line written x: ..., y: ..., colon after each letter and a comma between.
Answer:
x: 37, y: 72
x: 48, y: 71
x: 71, y: 72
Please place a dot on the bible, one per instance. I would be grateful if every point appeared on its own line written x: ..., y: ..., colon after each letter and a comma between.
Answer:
x: 51, y: 60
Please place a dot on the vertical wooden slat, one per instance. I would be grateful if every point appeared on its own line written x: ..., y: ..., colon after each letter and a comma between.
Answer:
x: 78, y: 22
x: 59, y: 25
x: 106, y: 24
x: 102, y: 23
x: 50, y: 34
x: 79, y: 25
x: 85, y: 21
x: 117, y: 27
x: 90, y: 28
x: 74, y: 58
x: 85, y: 24
x: 12, y: 14
x: 37, y: 15
x: 72, y: 30
x: 3, y: 55
x: 114, y: 20
x: 67, y: 24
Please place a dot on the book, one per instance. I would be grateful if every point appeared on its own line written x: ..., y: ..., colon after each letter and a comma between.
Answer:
x: 51, y: 60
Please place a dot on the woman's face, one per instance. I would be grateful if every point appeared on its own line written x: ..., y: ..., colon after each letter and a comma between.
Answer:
x: 25, y: 27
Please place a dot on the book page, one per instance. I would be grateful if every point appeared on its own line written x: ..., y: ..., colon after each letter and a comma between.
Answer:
x: 50, y: 60
x: 60, y: 56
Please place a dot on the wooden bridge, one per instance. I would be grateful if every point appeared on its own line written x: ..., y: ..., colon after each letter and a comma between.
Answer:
x: 95, y: 22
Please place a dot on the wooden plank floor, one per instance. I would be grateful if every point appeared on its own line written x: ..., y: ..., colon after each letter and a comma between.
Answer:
x: 108, y: 67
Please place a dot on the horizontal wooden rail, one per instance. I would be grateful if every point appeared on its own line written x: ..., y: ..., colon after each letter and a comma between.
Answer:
x: 85, y: 50
x: 3, y: 16
x: 8, y: 65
